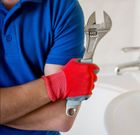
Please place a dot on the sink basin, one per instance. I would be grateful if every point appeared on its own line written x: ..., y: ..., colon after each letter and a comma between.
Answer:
x: 122, y: 116
x: 90, y: 120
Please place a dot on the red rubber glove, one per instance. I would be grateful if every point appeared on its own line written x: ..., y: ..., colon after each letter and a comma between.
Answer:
x: 75, y: 79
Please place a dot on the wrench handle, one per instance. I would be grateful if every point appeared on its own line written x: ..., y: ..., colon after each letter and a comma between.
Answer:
x: 73, y: 104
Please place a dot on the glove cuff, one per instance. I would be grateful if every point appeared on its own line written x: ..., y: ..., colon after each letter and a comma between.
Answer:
x: 55, y: 85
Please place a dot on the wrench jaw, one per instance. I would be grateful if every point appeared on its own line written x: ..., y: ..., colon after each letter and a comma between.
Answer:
x: 107, y: 21
x: 91, y: 24
x: 92, y: 19
x: 94, y: 33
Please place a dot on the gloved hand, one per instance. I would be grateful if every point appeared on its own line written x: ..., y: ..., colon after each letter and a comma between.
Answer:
x: 74, y: 80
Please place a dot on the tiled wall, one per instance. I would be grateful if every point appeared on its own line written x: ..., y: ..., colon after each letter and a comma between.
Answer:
x: 125, y: 31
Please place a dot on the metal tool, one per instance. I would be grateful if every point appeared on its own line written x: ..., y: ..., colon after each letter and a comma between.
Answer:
x: 94, y: 33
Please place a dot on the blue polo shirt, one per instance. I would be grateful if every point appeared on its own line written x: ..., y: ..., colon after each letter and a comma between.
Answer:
x: 34, y: 33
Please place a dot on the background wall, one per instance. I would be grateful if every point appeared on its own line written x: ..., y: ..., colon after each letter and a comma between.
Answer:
x: 125, y: 30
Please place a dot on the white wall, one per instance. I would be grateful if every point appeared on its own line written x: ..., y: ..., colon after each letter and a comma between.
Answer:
x: 125, y: 32
x: 137, y: 23
x: 125, y: 29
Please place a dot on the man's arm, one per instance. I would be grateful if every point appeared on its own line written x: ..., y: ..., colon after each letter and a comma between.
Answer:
x: 52, y: 116
x: 49, y: 117
x: 19, y: 100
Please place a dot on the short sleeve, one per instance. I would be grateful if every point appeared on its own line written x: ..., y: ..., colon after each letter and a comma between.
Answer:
x: 68, y: 32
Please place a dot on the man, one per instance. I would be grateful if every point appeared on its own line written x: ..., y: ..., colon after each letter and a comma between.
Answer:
x: 37, y: 38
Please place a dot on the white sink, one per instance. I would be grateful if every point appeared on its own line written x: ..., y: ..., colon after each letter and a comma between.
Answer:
x: 122, y: 116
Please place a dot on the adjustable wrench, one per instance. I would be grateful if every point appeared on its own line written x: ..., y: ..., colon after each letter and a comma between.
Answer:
x: 94, y: 33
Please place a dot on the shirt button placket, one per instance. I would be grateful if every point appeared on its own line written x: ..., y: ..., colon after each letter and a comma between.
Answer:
x: 11, y: 44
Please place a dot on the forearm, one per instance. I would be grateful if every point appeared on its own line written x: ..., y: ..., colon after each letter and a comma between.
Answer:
x: 18, y: 101
x: 50, y: 117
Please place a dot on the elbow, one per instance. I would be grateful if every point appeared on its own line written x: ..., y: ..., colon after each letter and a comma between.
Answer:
x: 66, y: 125
x: 65, y: 122
x: 65, y: 129
x: 61, y: 123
